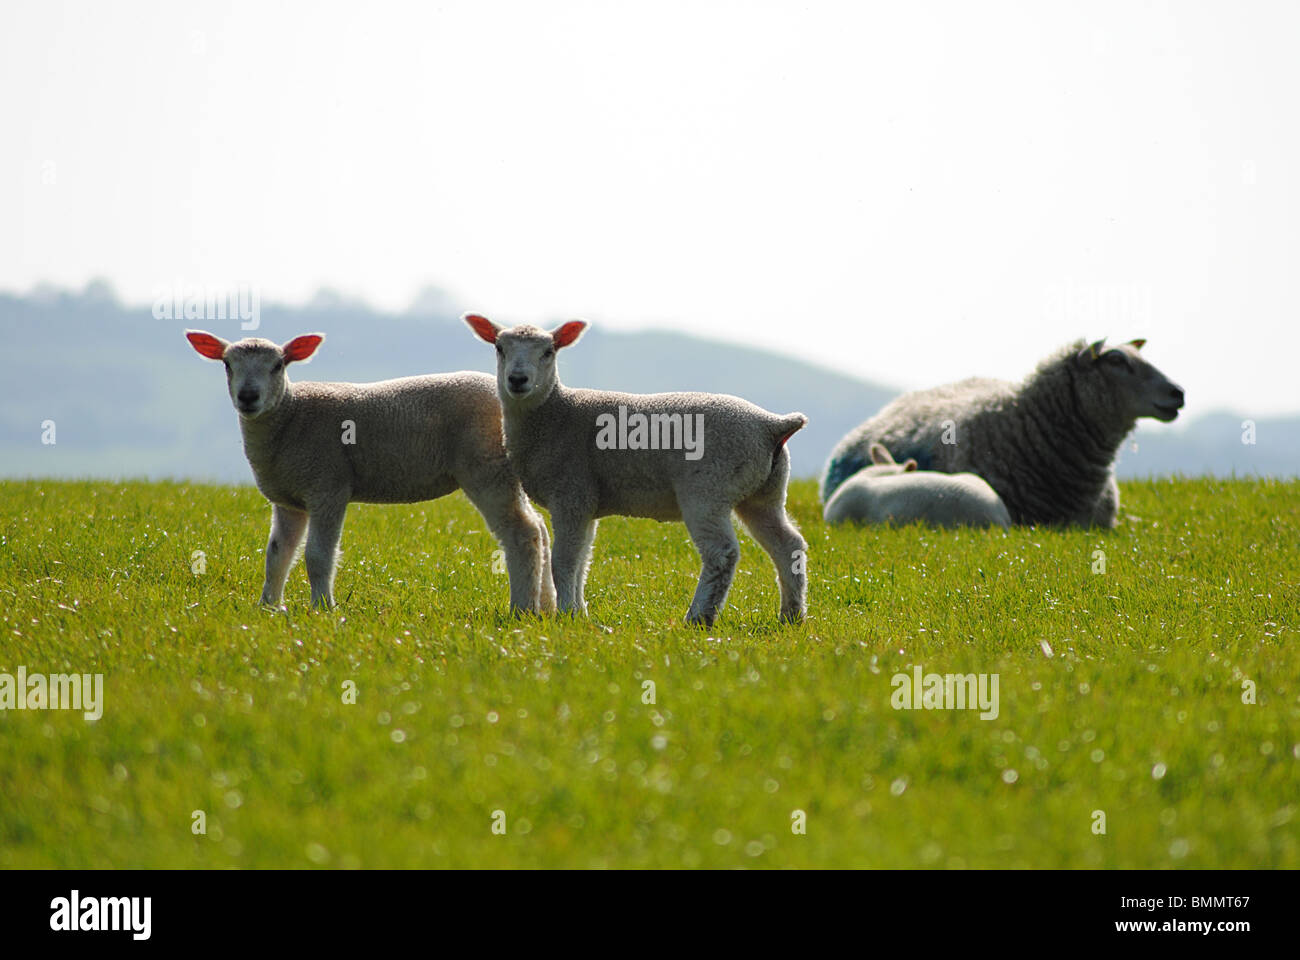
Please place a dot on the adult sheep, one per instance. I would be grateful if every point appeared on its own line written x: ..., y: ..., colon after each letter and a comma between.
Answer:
x: 1046, y: 445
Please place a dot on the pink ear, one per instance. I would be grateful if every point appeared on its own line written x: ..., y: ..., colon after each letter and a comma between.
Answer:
x: 206, y: 344
x: 485, y: 328
x: 300, y: 348
x: 568, y: 333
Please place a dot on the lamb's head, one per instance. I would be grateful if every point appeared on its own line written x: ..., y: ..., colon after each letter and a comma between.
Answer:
x: 255, y: 373
x: 883, y: 463
x: 1132, y: 384
x: 525, y: 356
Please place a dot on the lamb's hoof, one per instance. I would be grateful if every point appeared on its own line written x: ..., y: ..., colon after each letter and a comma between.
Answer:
x: 700, y: 619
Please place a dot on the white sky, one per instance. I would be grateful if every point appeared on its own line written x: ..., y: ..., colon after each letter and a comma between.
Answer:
x: 907, y: 192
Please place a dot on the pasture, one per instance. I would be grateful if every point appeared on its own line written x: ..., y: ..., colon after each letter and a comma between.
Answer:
x: 1126, y: 681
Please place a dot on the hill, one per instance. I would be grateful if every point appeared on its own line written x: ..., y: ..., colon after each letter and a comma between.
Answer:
x: 128, y: 398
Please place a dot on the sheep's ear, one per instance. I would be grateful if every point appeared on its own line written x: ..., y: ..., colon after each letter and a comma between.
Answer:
x: 1137, y: 344
x: 880, y: 455
x: 1092, y: 351
x: 485, y: 328
x: 214, y: 348
x: 300, y: 348
x: 909, y: 466
x: 568, y: 333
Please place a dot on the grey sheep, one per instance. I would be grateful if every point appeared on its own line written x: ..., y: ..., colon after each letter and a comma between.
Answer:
x: 1047, y: 445
x: 694, y: 457
x: 890, y: 492
x: 316, y: 447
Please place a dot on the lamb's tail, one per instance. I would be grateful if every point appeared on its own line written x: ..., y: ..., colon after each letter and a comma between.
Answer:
x: 783, y: 428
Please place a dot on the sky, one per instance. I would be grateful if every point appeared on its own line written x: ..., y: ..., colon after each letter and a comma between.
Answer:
x: 907, y: 192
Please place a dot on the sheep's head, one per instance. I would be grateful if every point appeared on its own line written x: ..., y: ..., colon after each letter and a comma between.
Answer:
x: 1137, y: 387
x: 525, y: 356
x: 883, y: 463
x: 254, y: 367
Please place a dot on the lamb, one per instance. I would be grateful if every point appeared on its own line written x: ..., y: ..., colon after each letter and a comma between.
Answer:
x: 1047, y: 445
x: 889, y: 492
x: 316, y: 447
x: 694, y: 457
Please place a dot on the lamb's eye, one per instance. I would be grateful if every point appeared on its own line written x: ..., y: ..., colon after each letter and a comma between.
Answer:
x: 1116, y: 359
x: 500, y: 352
x: 279, y: 365
x: 548, y: 353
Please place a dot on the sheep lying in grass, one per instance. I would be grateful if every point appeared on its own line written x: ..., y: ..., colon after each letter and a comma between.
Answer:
x: 889, y: 492
x: 1047, y: 445
x: 586, y: 454
x: 316, y: 447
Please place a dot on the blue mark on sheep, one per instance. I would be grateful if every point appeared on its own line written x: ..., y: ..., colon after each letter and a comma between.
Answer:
x: 922, y: 455
x: 840, y: 469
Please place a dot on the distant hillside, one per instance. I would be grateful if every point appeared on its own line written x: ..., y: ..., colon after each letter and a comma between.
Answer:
x: 129, y: 398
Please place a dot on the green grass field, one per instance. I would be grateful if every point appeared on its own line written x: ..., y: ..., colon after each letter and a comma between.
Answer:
x: 1122, y: 692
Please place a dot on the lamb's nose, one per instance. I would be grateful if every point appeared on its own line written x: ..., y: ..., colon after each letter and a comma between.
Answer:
x: 248, y: 396
x: 1178, y: 395
x: 518, y: 380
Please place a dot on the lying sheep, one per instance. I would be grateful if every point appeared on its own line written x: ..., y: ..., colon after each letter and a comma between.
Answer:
x: 1047, y: 445
x: 586, y: 454
x: 890, y: 492
x: 316, y: 447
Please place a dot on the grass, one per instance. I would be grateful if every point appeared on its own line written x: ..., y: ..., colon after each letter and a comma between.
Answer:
x: 214, y: 704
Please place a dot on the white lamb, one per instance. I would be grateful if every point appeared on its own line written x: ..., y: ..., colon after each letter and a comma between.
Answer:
x: 890, y: 492
x: 694, y: 457
x: 316, y: 447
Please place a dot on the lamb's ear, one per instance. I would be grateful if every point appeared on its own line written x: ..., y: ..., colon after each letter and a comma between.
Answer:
x: 214, y: 348
x: 485, y: 328
x: 880, y: 454
x: 567, y: 333
x: 300, y: 348
x: 1137, y: 344
x: 909, y: 466
x: 1092, y: 351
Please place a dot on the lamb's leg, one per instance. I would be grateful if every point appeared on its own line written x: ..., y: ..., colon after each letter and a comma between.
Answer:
x: 584, y: 564
x: 515, y: 525
x: 287, y: 527
x: 1106, y: 510
x: 574, y: 533
x: 769, y: 524
x: 548, y: 576
x: 323, y: 533
x: 711, y: 531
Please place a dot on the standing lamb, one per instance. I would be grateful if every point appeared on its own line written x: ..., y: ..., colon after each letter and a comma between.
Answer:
x: 890, y: 492
x: 695, y: 457
x: 316, y: 447
x: 1047, y: 445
